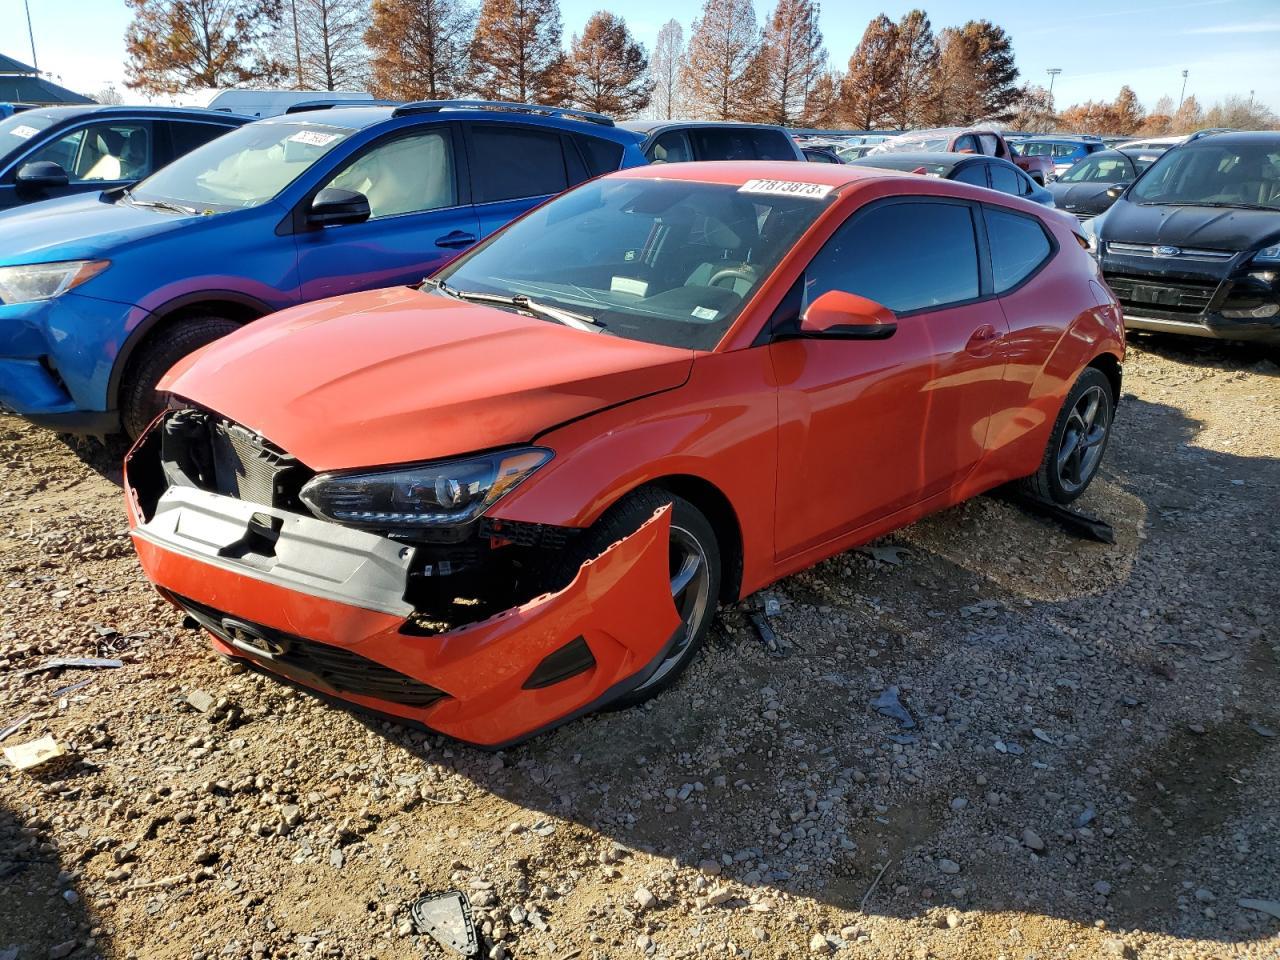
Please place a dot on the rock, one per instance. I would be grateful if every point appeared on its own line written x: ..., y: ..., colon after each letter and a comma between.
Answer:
x: 719, y: 895
x: 1031, y: 840
x: 820, y: 944
x: 710, y: 867
x: 1115, y: 947
x: 959, y: 803
x: 644, y: 899
x: 62, y: 949
x: 1205, y: 895
x: 71, y: 897
x: 201, y: 701
x: 1102, y: 888
x: 948, y: 866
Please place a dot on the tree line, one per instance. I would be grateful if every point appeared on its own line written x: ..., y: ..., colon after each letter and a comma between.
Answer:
x: 902, y: 75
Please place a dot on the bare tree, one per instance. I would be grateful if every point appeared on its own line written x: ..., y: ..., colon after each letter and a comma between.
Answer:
x: 1240, y: 113
x: 324, y: 40
x: 722, y: 71
x: 419, y: 48
x: 608, y: 68
x: 910, y: 87
x: 793, y: 58
x: 516, y: 55
x: 1034, y: 110
x: 865, y: 93
x: 664, y: 69
x: 109, y: 95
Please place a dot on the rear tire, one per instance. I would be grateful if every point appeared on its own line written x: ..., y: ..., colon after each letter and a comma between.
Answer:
x: 696, y: 569
x: 139, y: 401
x: 1077, y: 443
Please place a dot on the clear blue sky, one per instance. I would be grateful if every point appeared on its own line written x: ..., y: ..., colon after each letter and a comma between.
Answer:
x: 1229, y: 46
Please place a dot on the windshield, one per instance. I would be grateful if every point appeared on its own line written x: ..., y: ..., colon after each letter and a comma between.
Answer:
x: 915, y: 145
x: 1099, y: 168
x: 243, y: 168
x: 1212, y: 173
x: 17, y: 130
x: 663, y: 261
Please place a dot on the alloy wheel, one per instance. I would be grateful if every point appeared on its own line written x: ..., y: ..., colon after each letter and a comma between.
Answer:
x: 691, y: 593
x: 1083, y: 437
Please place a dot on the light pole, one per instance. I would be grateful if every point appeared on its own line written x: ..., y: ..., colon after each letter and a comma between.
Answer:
x: 1053, y: 75
x: 1183, y: 95
x: 31, y: 33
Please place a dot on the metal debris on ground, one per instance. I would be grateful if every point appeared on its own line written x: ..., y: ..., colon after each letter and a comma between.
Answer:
x: 1261, y: 906
x: 766, y: 633
x: 1261, y: 730
x: 1083, y: 525
x: 34, y: 753
x: 889, y: 705
x: 888, y: 554
x: 13, y: 728
x: 73, y: 663
x: 446, y: 918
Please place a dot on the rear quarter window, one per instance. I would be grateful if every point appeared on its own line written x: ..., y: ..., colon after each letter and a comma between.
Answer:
x: 601, y: 156
x: 1019, y: 247
x: 510, y: 162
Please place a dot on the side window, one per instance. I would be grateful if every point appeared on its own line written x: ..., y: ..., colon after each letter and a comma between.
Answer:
x: 879, y: 254
x: 966, y: 144
x: 186, y: 135
x: 409, y: 174
x: 1018, y: 247
x: 772, y: 145
x: 990, y: 145
x: 670, y: 147
x: 716, y: 143
x: 1064, y: 150
x: 601, y: 155
x: 1005, y: 180
x: 102, y: 152
x: 974, y: 173
x: 509, y: 162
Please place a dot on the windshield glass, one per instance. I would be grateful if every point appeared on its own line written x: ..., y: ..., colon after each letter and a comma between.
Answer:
x: 243, y: 168
x: 915, y: 145
x: 17, y: 131
x: 1099, y: 168
x: 663, y: 261
x: 1212, y: 173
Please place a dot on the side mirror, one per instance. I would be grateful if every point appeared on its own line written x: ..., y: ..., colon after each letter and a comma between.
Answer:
x: 42, y: 175
x: 1116, y: 189
x: 333, y: 206
x: 837, y: 315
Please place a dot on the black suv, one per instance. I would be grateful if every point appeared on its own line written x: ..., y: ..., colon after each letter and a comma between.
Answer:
x: 678, y: 141
x: 1193, y: 245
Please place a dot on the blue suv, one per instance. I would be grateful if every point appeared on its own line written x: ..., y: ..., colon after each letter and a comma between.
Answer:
x: 101, y: 294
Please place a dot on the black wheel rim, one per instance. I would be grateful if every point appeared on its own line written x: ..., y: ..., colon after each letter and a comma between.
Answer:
x: 1084, y: 436
x: 691, y: 593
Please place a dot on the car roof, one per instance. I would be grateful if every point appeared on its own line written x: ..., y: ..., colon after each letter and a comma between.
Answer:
x: 735, y: 173
x: 650, y: 126
x: 131, y: 110
x: 1240, y: 138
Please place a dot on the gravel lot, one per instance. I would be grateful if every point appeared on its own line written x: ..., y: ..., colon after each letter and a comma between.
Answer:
x: 1094, y: 770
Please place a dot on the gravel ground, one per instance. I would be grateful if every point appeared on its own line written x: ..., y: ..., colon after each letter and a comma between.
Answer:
x: 1094, y: 769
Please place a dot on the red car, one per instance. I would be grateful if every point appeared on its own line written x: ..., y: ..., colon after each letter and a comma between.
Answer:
x: 967, y: 140
x: 518, y: 493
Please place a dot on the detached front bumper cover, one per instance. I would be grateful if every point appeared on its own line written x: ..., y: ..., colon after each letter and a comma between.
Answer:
x: 323, y: 605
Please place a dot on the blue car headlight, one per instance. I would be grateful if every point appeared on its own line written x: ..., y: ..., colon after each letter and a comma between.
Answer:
x: 1269, y: 254
x: 433, y: 495
x: 44, y: 281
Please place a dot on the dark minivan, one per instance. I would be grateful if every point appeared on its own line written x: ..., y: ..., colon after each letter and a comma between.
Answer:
x: 1193, y: 245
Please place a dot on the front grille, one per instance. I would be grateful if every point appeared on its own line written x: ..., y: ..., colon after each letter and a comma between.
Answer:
x: 1143, y: 293
x: 1184, y: 253
x: 335, y: 667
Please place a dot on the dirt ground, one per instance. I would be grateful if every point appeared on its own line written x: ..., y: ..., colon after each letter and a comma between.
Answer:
x: 1094, y: 770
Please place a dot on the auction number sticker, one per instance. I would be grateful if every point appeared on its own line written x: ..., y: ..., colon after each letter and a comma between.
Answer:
x: 787, y: 188
x: 314, y: 138
x: 23, y: 131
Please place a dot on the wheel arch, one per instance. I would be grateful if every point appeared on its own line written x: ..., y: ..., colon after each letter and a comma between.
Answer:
x: 1109, y: 364
x: 719, y: 511
x: 231, y: 304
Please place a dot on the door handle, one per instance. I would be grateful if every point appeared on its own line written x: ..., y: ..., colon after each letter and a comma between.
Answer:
x: 458, y: 238
x: 982, y: 340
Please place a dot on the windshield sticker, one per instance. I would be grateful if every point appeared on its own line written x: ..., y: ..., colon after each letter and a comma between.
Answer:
x: 23, y: 131
x: 314, y: 138
x: 629, y: 285
x: 787, y: 188
x: 705, y: 313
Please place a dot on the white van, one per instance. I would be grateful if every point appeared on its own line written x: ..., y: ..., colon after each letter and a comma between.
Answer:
x: 266, y: 103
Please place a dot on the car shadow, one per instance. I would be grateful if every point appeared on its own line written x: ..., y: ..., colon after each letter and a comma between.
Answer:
x: 1076, y: 755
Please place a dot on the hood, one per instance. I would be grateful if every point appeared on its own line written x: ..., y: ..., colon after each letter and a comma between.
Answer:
x: 399, y: 375
x: 1080, y: 197
x: 81, y: 226
x: 1211, y: 228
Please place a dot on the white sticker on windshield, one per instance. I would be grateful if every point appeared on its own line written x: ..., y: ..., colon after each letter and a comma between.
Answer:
x: 23, y: 131
x: 314, y: 138
x: 637, y: 288
x: 787, y: 188
x: 705, y: 313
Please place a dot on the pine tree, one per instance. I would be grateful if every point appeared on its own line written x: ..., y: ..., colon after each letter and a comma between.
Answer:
x: 793, y: 59
x: 515, y: 53
x: 723, y: 70
x: 911, y: 86
x: 1159, y: 120
x: 419, y: 48
x: 1189, y: 117
x: 664, y: 68
x: 865, y: 92
x: 976, y: 76
x: 1126, y: 113
x: 608, y: 68
x: 179, y: 45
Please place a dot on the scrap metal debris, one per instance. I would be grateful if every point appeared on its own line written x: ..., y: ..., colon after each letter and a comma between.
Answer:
x: 35, y: 753
x: 888, y: 554
x: 1261, y: 906
x: 1262, y: 731
x: 73, y: 663
x: 767, y: 635
x: 446, y: 918
x: 13, y: 728
x: 889, y: 705
x: 1083, y: 525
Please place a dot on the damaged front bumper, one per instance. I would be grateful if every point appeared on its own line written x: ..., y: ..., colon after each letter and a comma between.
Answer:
x: 325, y: 606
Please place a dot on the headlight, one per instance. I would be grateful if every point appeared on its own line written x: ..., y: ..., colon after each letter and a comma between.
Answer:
x: 1269, y: 254
x: 431, y: 495
x: 44, y: 281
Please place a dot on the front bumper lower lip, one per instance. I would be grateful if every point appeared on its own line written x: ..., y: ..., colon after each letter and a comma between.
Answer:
x: 344, y: 588
x: 1214, y: 327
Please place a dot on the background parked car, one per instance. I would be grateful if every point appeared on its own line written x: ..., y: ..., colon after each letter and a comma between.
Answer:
x: 965, y: 140
x: 1151, y: 143
x: 1092, y: 185
x: 820, y: 154
x: 100, y: 295
x: 1193, y: 245
x: 680, y: 141
x: 990, y: 172
x: 57, y: 151
x: 1063, y: 152
x: 268, y: 103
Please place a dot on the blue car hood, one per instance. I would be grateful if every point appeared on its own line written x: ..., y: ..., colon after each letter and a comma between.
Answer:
x: 78, y: 227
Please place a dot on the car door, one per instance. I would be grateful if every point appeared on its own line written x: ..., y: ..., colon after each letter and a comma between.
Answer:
x: 96, y: 155
x: 420, y: 217
x: 515, y: 167
x: 870, y: 427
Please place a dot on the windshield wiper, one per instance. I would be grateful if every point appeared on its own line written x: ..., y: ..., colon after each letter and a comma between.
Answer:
x: 578, y: 321
x: 160, y: 204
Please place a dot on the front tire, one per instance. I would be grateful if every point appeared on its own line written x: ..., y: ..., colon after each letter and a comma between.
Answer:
x: 139, y: 401
x: 1077, y: 443
x: 695, y: 564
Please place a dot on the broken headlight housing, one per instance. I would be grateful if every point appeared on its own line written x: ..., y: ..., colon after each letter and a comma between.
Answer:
x: 446, y: 494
